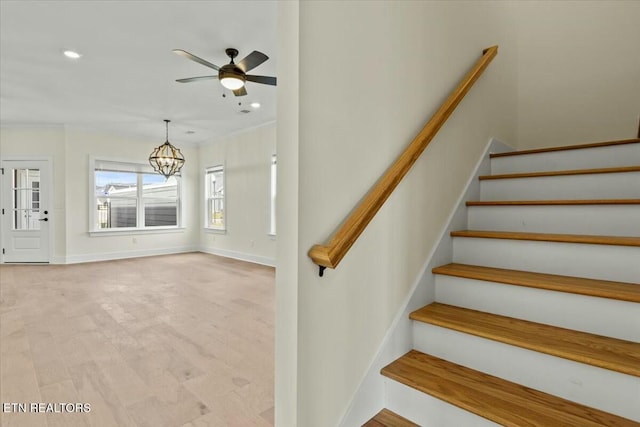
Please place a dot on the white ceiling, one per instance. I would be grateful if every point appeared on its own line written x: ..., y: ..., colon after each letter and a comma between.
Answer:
x: 125, y: 81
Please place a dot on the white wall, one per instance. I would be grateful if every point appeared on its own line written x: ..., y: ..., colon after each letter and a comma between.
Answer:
x: 81, y: 246
x: 370, y: 75
x: 43, y: 142
x: 578, y: 71
x: 246, y: 158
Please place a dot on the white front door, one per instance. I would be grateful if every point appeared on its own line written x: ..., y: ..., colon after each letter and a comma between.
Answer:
x: 25, y: 210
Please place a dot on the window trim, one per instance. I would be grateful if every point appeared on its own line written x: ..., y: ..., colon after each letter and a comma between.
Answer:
x: 142, y: 169
x: 128, y: 231
x: 273, y: 194
x: 207, y: 171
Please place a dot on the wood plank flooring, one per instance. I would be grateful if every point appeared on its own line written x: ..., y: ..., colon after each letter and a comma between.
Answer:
x: 178, y: 340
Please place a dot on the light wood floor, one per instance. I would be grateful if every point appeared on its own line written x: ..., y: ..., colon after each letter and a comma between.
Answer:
x: 178, y: 340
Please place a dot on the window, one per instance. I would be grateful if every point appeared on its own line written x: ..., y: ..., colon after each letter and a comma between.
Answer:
x: 272, y: 200
x: 131, y: 196
x: 214, y: 194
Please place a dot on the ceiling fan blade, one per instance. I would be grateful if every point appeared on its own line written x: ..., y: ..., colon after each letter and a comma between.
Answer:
x: 195, y: 58
x: 252, y: 60
x: 240, y: 92
x: 261, y: 79
x: 195, y: 79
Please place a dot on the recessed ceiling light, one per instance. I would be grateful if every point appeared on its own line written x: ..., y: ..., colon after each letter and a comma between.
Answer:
x: 255, y: 104
x: 71, y: 54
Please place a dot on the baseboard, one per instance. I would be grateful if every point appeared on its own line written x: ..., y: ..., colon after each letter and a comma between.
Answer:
x: 256, y: 259
x: 58, y: 260
x: 109, y: 256
x: 370, y: 396
x: 77, y: 259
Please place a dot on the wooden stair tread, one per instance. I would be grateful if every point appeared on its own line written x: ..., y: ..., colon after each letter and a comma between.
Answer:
x: 604, y: 352
x: 549, y: 237
x: 554, y: 202
x: 387, y: 418
x: 504, y: 402
x: 567, y: 147
x: 561, y: 173
x: 576, y: 285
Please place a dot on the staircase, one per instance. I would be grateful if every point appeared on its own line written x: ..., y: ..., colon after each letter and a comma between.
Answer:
x: 537, y: 320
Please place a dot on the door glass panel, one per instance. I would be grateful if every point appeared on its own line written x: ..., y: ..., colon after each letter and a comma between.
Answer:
x: 25, y: 203
x: 35, y: 196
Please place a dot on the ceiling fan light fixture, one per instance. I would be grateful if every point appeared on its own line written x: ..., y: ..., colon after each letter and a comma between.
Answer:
x: 231, y: 76
x: 166, y: 159
x: 232, y: 82
x: 71, y: 54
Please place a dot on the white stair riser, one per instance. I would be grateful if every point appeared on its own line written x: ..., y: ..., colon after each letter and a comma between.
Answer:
x: 605, y: 262
x: 589, y: 385
x: 586, y: 158
x: 566, y: 187
x: 428, y: 411
x: 604, y: 220
x: 601, y: 316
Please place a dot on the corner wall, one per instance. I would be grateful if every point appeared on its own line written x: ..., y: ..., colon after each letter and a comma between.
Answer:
x: 371, y: 74
x: 246, y: 157
x: 578, y: 71
x: 286, y: 351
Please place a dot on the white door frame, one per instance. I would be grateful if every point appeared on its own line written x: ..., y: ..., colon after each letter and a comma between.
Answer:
x: 51, y: 215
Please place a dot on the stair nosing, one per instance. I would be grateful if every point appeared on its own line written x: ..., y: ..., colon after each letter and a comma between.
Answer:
x: 567, y: 147
x: 621, y: 291
x: 539, y: 337
x: 511, y: 404
x: 551, y: 237
x: 553, y: 202
x: 385, y: 415
x: 569, y: 172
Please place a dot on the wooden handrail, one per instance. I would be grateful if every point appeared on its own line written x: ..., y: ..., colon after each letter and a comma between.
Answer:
x: 331, y: 254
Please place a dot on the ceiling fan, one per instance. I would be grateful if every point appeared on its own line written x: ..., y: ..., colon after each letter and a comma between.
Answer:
x: 232, y: 76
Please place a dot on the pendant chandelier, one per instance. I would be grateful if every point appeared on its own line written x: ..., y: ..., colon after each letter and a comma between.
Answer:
x: 166, y: 159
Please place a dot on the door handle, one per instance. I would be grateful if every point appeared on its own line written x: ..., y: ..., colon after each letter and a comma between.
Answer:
x: 43, y: 219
